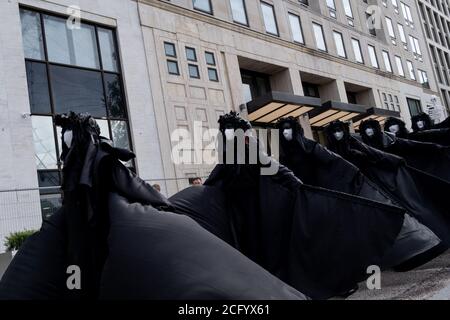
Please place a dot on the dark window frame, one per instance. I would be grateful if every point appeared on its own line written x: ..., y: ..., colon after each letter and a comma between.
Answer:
x: 211, y: 12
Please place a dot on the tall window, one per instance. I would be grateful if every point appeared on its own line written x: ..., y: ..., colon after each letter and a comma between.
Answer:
x: 320, y: 38
x: 390, y: 28
x: 401, y: 32
x: 270, y: 21
x: 399, y: 63
x: 373, y: 56
x: 69, y: 70
x: 412, y: 73
x: 357, y: 51
x: 387, y: 61
x: 347, y: 8
x: 414, y: 106
x: 202, y: 5
x: 296, y: 28
x: 239, y: 11
x: 339, y: 41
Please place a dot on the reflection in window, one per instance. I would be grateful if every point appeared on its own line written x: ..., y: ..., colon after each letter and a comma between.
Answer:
x: 77, y: 46
x: 203, y: 5
x: 119, y: 131
x: 238, y: 11
x: 104, y: 128
x: 50, y: 204
x: 172, y: 67
x: 48, y: 179
x: 77, y: 90
x: 114, y: 96
x: 209, y: 56
x: 31, y: 35
x: 320, y: 38
x: 108, y: 50
x: 44, y: 142
x: 212, y: 74
x: 38, y: 87
x: 193, y: 71
x: 269, y: 18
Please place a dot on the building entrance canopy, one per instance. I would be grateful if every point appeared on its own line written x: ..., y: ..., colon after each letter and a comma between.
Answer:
x: 268, y: 109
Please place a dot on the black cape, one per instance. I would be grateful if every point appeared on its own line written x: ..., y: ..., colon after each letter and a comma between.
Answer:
x: 315, y: 165
x: 149, y: 253
x: 292, y: 229
x: 421, y: 194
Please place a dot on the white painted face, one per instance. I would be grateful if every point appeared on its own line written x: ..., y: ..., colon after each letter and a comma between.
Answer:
x: 339, y: 135
x: 369, y: 132
x: 68, y: 136
x: 420, y: 124
x: 229, y: 134
x: 394, y: 128
x: 287, y: 133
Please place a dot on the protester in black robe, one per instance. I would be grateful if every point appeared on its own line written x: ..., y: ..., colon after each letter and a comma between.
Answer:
x: 127, y: 243
x: 315, y: 239
x: 396, y: 127
x: 422, y: 195
x: 431, y: 158
x: 425, y: 131
x: 315, y: 165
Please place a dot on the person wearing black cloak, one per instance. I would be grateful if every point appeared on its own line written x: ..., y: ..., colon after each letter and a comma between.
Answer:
x: 397, y: 127
x: 315, y: 165
x: 425, y: 131
x: 319, y: 241
x: 423, y: 196
x: 431, y: 158
x: 122, y: 236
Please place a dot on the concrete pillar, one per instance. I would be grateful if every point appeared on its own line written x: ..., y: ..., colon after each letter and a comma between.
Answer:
x: 233, y: 73
x: 334, y: 91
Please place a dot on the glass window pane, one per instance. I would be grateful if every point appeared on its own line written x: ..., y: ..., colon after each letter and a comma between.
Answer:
x: 119, y: 131
x: 114, y: 96
x: 32, y: 35
x: 209, y: 56
x: 238, y: 11
x: 357, y: 51
x: 77, y: 90
x: 399, y: 63
x: 38, y: 87
x: 190, y: 54
x: 347, y: 8
x: 212, y: 74
x: 70, y: 46
x: 318, y: 34
x: 296, y: 28
x: 269, y: 18
x: 44, y: 142
x: 387, y: 61
x: 340, y: 49
x: 104, y: 128
x: 172, y: 66
x: 203, y: 5
x: 50, y: 204
x: 108, y: 50
x: 48, y: 179
x: 193, y: 71
x: 373, y: 56
x: 169, y: 49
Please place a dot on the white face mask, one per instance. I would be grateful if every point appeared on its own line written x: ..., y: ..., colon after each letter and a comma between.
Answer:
x: 420, y: 124
x: 339, y: 135
x: 394, y: 128
x: 229, y: 134
x: 369, y: 132
x: 68, y: 136
x: 287, y: 133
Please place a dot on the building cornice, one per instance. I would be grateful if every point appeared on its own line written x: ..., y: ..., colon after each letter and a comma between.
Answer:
x: 206, y: 18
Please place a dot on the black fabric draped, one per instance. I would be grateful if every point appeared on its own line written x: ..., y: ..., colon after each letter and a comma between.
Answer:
x: 315, y: 239
x: 146, y: 252
x: 421, y: 194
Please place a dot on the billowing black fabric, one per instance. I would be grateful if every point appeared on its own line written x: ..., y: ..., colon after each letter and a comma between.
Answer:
x: 431, y: 158
x: 141, y: 252
x: 315, y: 239
x: 175, y: 258
x: 443, y: 124
x: 418, y: 192
x: 439, y: 136
x: 315, y: 165
x: 38, y: 270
